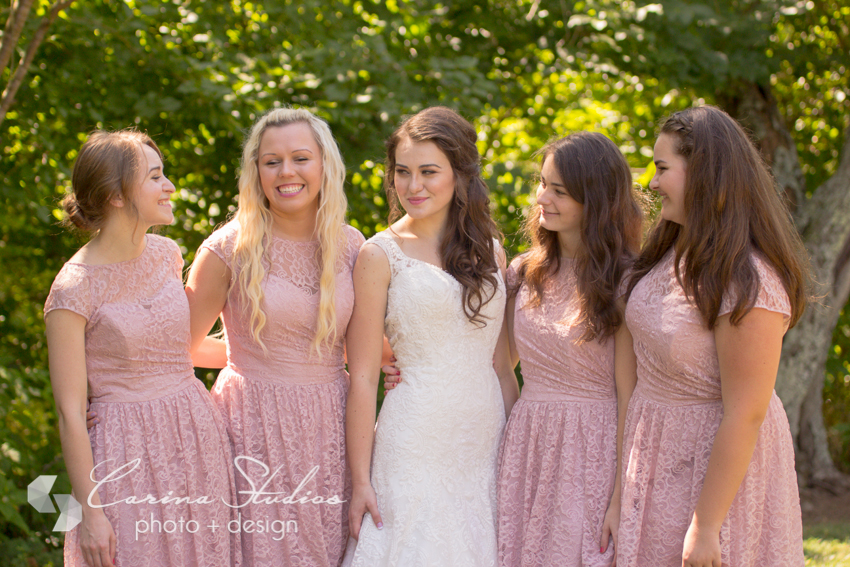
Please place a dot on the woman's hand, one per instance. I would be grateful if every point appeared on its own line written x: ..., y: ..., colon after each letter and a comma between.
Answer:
x: 363, y: 499
x: 97, y: 539
x: 610, y: 530
x: 91, y: 418
x: 392, y: 375
x: 702, y: 547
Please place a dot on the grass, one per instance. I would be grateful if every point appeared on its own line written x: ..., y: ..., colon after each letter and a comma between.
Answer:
x: 827, y: 545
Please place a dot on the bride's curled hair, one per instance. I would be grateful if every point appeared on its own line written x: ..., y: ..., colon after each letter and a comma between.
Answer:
x: 467, y: 249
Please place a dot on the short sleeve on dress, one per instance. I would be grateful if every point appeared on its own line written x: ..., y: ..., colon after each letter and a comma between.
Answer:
x: 173, y: 252
x: 771, y: 293
x: 222, y: 242
x: 512, y: 273
x: 71, y: 290
x: 355, y: 240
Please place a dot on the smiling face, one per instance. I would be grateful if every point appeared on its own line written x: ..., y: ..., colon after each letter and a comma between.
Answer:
x: 290, y: 168
x: 152, y: 199
x: 669, y: 179
x: 424, y: 179
x: 559, y: 212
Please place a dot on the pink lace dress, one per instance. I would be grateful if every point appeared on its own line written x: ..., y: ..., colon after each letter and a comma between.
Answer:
x: 286, y: 407
x: 156, y: 419
x: 671, y: 423
x: 559, y: 453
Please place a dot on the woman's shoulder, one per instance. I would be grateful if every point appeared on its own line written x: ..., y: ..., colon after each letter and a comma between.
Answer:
x: 226, y: 231
x: 223, y: 240
x: 769, y: 294
x: 383, y: 240
x: 71, y: 290
x: 353, y: 235
x: 385, y: 234
x: 517, y: 261
x: 163, y: 244
x: 165, y: 252
x: 354, y: 239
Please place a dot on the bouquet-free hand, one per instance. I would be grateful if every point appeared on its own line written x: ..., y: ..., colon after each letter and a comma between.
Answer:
x: 97, y: 539
x: 610, y: 527
x: 702, y: 548
x: 363, y: 499
x: 392, y: 375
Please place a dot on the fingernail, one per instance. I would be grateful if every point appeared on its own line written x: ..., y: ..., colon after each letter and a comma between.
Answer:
x: 601, y: 550
x: 380, y: 525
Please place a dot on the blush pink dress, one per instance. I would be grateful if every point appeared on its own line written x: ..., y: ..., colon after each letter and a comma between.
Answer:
x: 559, y: 453
x: 151, y: 409
x: 671, y: 423
x: 286, y: 407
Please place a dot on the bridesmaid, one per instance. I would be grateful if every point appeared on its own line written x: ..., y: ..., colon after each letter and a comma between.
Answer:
x: 118, y: 324
x: 559, y: 455
x: 709, y: 475
x: 279, y: 276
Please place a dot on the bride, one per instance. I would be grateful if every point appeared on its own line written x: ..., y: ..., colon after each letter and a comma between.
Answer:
x: 434, y: 283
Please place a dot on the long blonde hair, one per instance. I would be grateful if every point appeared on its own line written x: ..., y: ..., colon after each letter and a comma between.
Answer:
x: 255, y: 222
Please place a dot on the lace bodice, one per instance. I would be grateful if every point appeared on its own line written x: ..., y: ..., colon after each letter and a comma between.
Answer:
x: 554, y: 364
x: 676, y: 353
x: 291, y: 303
x: 137, y: 330
x: 419, y: 328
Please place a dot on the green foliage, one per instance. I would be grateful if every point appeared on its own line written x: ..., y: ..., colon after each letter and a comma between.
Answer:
x: 812, y: 47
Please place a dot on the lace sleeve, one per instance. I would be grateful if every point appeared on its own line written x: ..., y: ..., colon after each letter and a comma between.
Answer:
x: 771, y: 293
x: 512, y: 274
x: 395, y: 256
x: 222, y: 242
x: 175, y: 255
x: 71, y: 290
x: 354, y: 242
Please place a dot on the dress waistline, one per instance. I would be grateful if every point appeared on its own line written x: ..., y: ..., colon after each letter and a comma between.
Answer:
x: 537, y: 392
x: 160, y: 387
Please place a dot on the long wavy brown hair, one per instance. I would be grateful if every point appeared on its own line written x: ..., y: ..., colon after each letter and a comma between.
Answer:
x: 732, y: 210
x: 596, y: 175
x: 467, y: 248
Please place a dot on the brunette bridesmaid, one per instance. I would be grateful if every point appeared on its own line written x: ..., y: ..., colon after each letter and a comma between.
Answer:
x: 559, y: 455
x: 118, y: 326
x: 709, y: 463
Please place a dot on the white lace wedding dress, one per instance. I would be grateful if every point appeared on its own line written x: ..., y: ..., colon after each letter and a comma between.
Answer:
x: 438, y: 433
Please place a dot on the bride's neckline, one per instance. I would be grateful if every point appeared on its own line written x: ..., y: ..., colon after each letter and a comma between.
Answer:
x: 392, y: 239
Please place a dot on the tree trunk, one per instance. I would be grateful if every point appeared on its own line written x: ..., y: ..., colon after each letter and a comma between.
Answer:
x: 824, y: 223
